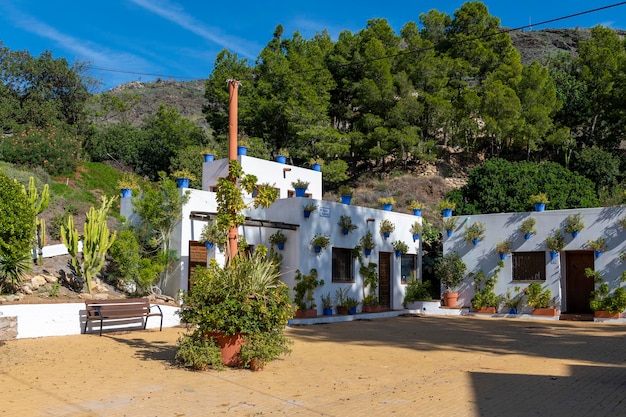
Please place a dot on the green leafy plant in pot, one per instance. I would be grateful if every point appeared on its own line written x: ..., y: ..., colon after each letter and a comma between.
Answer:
x: 346, y: 225
x: 450, y: 270
x: 574, y: 224
x: 475, y: 232
x: 538, y: 298
x: 528, y: 227
x: 416, y: 230
x: 417, y: 291
x: 367, y: 242
x: 602, y: 302
x: 555, y: 243
x: 278, y: 239
x: 485, y: 299
x: 304, y: 292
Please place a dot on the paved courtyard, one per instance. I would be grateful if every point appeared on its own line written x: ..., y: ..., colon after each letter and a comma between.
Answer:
x: 404, y: 366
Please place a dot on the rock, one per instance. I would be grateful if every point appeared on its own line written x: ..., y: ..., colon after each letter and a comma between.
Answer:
x: 27, y: 289
x: 51, y: 279
x: 85, y: 296
x: 37, y: 281
x: 100, y: 297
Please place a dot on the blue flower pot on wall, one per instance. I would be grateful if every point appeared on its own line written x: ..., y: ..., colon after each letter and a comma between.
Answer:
x: 527, y: 236
x: 367, y: 252
x: 553, y: 254
x: 502, y: 256
x: 182, y: 182
x: 300, y: 192
x: 597, y: 253
x: 317, y: 249
x: 316, y: 167
x: 446, y: 212
x: 208, y: 157
x: 540, y: 206
x: 352, y: 310
x: 281, y: 159
x: 242, y: 150
x: 417, y: 212
x: 448, y: 233
x: 345, y: 231
x: 387, y: 207
x: 346, y: 199
x: 416, y: 237
x: 512, y: 310
x: 398, y: 253
x: 127, y: 192
x: 327, y: 311
x: 307, y: 214
x: 574, y: 234
x: 280, y: 245
x: 386, y: 235
x: 208, y: 245
x: 475, y: 241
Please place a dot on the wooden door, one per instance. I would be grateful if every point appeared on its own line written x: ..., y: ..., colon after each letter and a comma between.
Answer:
x: 384, y: 276
x: 578, y: 287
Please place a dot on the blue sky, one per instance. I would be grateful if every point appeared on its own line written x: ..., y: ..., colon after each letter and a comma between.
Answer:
x: 180, y: 38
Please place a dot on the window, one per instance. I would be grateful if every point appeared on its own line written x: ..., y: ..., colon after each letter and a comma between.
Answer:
x: 529, y: 266
x: 408, y: 270
x: 342, y: 265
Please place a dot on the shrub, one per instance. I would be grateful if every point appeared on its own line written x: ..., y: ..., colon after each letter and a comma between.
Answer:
x: 536, y: 297
x: 198, y: 351
x: 417, y: 291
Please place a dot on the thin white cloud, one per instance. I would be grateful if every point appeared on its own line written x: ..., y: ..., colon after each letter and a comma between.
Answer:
x: 175, y: 13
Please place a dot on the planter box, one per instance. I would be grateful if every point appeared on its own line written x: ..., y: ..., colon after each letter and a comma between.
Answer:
x: 372, y: 308
x: 306, y: 314
x: 485, y: 310
x: 545, y: 312
x: 342, y: 310
x: 606, y: 315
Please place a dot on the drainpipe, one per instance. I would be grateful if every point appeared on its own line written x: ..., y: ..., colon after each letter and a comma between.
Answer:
x: 233, y: 87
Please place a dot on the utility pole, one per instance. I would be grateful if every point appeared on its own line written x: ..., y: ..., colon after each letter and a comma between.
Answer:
x: 233, y: 88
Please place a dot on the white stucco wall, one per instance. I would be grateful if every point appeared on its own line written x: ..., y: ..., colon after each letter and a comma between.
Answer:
x: 599, y: 222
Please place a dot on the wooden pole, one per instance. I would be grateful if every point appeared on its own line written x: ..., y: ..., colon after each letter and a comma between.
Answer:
x: 233, y: 88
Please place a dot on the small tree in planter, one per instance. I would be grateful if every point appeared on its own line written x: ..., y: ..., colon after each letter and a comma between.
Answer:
x: 574, y: 224
x: 603, y: 303
x: 345, y: 222
x: 528, y: 227
x: 367, y: 242
x: 555, y: 243
x: 278, y: 239
x: 450, y: 270
x: 400, y: 247
x: 386, y: 228
x: 475, y: 232
x: 327, y: 305
x: 341, y: 296
x: 503, y: 248
x: 485, y: 300
x: 539, y: 299
x: 512, y: 301
x: 304, y: 293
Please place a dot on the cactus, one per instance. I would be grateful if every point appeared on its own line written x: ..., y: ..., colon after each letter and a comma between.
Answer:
x: 97, y: 241
x: 39, y: 205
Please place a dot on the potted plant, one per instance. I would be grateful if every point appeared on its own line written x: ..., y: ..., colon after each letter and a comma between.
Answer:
x: 304, y: 293
x: 346, y: 225
x: 183, y: 176
x: 260, y: 348
x: 351, y: 304
x: 246, y: 297
x: 341, y: 295
x: 327, y: 305
x: 386, y: 203
x: 127, y: 184
x: 555, y: 243
x: 386, y: 228
x: 528, y: 227
x: 450, y: 270
x: 539, y: 201
x: 475, y: 232
x: 367, y: 242
x: 485, y: 299
x: 539, y: 300
x: 416, y: 207
x: 319, y: 242
x: 446, y: 207
x: 208, y: 154
x: 512, y: 301
x: 416, y: 229
x: 242, y: 147
x: 278, y: 239
x: 316, y: 164
x: 212, y: 234
x: 598, y: 246
x: 399, y: 247
x: 449, y: 224
x: 574, y: 224
x: 416, y: 291
x: 300, y: 187
x: 603, y: 303
x: 281, y: 156
x: 346, y: 194
x: 308, y: 209
x: 369, y: 273
x: 503, y: 247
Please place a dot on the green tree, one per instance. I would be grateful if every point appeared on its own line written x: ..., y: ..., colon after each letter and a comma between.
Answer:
x: 600, y: 166
x: 17, y: 227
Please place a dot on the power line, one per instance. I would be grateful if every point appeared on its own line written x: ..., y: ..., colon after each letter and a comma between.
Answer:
x: 410, y: 51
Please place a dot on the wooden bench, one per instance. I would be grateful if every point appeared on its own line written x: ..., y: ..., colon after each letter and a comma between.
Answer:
x: 119, y: 310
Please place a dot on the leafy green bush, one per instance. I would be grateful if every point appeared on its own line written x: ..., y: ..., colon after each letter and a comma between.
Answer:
x: 416, y: 291
x: 198, y: 351
x: 537, y: 297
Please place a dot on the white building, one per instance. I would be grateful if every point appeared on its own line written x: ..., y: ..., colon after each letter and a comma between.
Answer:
x: 530, y: 261
x: 335, y: 264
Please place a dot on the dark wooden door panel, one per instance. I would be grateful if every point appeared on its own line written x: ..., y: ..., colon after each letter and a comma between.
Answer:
x: 578, y: 287
x: 384, y: 275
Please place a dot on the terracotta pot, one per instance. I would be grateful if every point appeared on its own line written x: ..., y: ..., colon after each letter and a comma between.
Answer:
x: 256, y: 365
x: 450, y: 298
x: 342, y: 310
x: 486, y: 310
x: 545, y: 312
x: 372, y: 308
x: 306, y: 314
x: 229, y: 346
x: 600, y: 314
